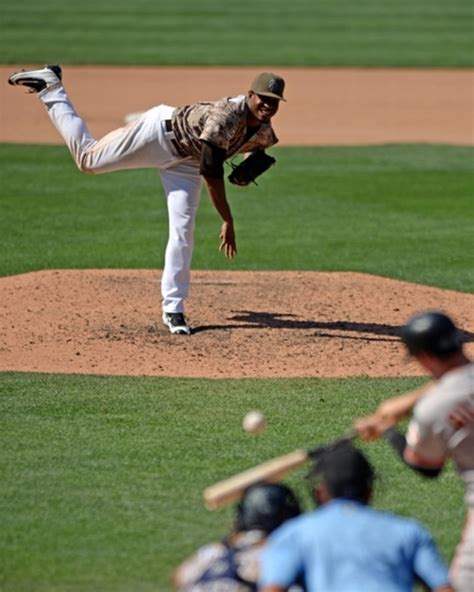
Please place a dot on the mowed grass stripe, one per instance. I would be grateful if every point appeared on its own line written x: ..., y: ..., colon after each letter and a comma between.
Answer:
x: 366, y: 33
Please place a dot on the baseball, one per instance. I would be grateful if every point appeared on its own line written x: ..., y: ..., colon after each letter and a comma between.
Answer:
x: 254, y: 422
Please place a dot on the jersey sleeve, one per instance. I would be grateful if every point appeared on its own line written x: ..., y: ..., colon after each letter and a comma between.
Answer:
x: 428, y: 564
x: 425, y: 446
x: 282, y: 563
x: 212, y: 161
x: 221, y: 126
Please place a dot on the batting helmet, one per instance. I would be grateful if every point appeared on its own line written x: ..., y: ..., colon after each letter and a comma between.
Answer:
x: 431, y: 332
x: 265, y: 506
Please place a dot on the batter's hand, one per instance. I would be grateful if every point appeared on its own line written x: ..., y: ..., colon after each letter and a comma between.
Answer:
x: 227, y: 237
x: 372, y: 427
x: 388, y: 414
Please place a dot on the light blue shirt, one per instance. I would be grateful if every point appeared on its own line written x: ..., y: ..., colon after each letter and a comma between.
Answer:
x: 346, y: 546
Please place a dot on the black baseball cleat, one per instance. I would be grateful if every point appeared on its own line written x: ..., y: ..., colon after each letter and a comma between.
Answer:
x: 176, y: 323
x: 38, y: 80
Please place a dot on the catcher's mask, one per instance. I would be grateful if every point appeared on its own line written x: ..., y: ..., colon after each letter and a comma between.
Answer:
x: 432, y: 332
x: 265, y: 506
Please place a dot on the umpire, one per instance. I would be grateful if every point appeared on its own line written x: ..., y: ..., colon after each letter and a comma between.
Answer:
x: 347, y: 546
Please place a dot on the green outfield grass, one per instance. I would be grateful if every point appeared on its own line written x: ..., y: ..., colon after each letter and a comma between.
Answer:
x: 398, y: 211
x: 102, y: 477
x: 306, y: 32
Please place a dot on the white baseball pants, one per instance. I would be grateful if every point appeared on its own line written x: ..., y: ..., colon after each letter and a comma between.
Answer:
x: 144, y: 143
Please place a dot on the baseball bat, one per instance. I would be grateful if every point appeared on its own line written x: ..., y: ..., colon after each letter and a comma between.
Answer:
x: 230, y: 490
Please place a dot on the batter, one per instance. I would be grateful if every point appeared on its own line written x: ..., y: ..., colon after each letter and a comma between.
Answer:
x: 442, y: 422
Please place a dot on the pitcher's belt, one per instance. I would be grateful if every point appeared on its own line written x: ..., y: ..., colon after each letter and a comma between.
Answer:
x: 170, y: 136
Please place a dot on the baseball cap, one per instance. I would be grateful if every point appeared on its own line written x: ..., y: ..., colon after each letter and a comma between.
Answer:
x: 345, y: 470
x: 268, y: 84
x: 431, y: 332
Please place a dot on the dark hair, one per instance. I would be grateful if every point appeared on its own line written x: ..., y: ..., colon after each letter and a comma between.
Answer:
x: 265, y: 506
x: 431, y: 332
x: 345, y: 471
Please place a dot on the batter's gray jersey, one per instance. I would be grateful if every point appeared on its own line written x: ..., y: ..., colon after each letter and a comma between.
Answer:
x: 434, y: 437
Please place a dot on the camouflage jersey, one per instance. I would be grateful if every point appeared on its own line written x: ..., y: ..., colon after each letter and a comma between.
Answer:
x: 222, y: 123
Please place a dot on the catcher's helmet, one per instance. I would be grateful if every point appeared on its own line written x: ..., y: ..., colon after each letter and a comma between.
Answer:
x: 265, y: 506
x: 431, y: 332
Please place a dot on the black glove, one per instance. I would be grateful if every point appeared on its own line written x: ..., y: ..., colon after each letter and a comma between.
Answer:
x: 250, y: 168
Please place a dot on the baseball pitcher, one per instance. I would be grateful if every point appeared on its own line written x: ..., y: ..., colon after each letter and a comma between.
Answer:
x: 186, y: 144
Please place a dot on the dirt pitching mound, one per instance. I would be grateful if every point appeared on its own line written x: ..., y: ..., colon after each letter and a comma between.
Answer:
x: 246, y: 324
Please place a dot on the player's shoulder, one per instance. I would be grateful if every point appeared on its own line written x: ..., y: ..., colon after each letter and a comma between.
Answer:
x: 195, y: 565
x: 406, y: 526
x: 228, y: 110
x: 236, y: 103
x: 454, y: 387
x: 460, y: 375
x: 207, y: 554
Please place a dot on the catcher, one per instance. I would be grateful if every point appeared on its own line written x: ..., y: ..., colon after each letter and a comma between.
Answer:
x: 233, y: 564
x: 185, y: 144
